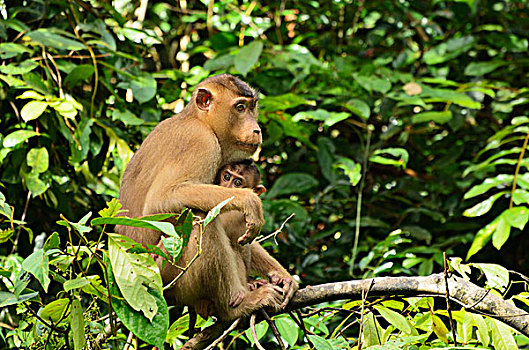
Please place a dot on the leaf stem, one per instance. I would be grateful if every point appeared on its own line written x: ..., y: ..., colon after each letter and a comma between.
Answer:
x: 522, y: 153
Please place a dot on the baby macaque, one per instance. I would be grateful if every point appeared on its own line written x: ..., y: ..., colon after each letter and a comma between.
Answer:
x: 248, y: 259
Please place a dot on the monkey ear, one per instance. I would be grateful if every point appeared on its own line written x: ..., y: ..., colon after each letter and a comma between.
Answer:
x: 259, y: 189
x: 203, y: 99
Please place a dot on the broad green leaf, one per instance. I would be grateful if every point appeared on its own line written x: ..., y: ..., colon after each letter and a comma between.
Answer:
x: 498, y: 181
x: 213, y: 213
x: 439, y: 328
x: 48, y: 38
x: 394, y: 318
x: 165, y: 227
x: 77, y: 283
x: 248, y: 56
x: 127, y: 117
x: 320, y: 343
x: 483, y: 207
x: 482, y: 237
x: 288, y: 329
x: 449, y: 50
x: 358, y: 107
x: 520, y: 197
x: 38, y: 265
x: 502, y: 336
x: 447, y: 95
x: 9, y: 50
x: 143, y: 86
x: 32, y: 110
x: 291, y: 183
x: 483, y: 330
x: 17, y: 137
x: 114, y: 208
x: 373, y: 83
x: 482, y: 68
x: 260, y: 330
x: 502, y: 233
x: 372, y: 331
x: 497, y: 275
x: 66, y: 109
x: 55, y: 310
x: 77, y: 324
x: 150, y: 331
x: 8, y: 299
x: 282, y: 102
x: 78, y: 74
x: 134, y: 274
x: 328, y: 118
x: 19, y: 68
x: 517, y: 216
x: 52, y: 242
x: 351, y: 169
x: 438, y: 117
x: 399, y: 153
x: 37, y: 158
x: 174, y: 246
x: 35, y: 184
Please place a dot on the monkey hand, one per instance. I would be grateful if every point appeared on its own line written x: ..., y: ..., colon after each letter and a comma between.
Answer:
x: 254, y: 284
x: 288, y: 284
x: 254, y: 218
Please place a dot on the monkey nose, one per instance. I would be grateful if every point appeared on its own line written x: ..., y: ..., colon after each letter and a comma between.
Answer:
x: 257, y: 131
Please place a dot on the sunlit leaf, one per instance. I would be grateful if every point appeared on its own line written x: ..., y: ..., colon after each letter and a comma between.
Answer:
x: 248, y: 56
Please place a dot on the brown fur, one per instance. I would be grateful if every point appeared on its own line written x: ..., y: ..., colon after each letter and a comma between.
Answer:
x: 175, y: 167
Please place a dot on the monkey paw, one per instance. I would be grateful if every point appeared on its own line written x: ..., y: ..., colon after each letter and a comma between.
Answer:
x: 254, y: 284
x: 236, y: 299
x: 288, y: 284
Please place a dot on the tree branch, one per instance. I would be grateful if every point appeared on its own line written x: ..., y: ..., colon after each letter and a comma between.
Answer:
x: 469, y: 295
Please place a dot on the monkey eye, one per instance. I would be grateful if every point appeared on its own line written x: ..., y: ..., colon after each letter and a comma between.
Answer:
x: 226, y: 176
x: 240, y: 107
x: 237, y: 182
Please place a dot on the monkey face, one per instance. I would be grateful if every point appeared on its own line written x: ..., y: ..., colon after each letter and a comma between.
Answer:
x: 244, y: 115
x: 230, y: 178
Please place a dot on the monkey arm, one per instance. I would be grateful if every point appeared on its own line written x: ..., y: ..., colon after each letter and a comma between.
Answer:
x: 205, y: 197
x: 265, y: 265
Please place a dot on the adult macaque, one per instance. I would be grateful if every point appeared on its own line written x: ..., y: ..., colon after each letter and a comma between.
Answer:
x: 175, y: 167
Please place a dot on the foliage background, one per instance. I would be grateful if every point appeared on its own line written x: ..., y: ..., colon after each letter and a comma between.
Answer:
x: 378, y: 118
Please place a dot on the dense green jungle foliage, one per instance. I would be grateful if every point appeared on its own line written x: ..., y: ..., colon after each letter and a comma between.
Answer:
x: 393, y: 130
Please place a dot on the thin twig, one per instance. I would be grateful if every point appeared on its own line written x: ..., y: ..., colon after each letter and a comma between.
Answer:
x: 254, y: 334
x: 226, y: 332
x: 447, y: 294
x: 22, y: 218
x: 276, y: 232
x: 274, y: 329
x: 518, y: 163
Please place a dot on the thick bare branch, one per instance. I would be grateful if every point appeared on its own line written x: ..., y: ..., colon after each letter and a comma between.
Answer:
x: 467, y: 294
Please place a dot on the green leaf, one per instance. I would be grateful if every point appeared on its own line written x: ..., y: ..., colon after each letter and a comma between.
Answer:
x: 174, y: 246
x: 399, y: 153
x: 291, y: 183
x: 8, y: 299
x: 498, y: 181
x: 213, y: 213
x: 372, y: 331
x: 329, y: 118
x: 33, y: 110
x: 20, y: 68
x: 37, y: 158
x: 482, y: 237
x: 358, y: 107
x: 482, y: 68
x: 483, y: 330
x: 282, y: 102
x: 17, y: 137
x: 497, y: 275
x: 520, y: 197
x: 38, y: 265
x: 501, y: 234
x: 152, y: 332
x: 394, y: 318
x: 438, y: 117
x: 52, y: 242
x: 439, y: 328
x: 127, y: 117
x: 351, y: 169
x: 320, y: 343
x: 449, y: 50
x: 502, y: 335
x: 288, y: 329
x: 48, y: 38
x: 260, y: 330
x: 55, y: 310
x: 78, y: 74
x: 77, y: 324
x: 373, y: 83
x: 35, y: 184
x: 248, y: 57
x: 483, y: 207
x: 165, y: 227
x: 10, y: 50
x: 134, y: 274
x: 114, y: 208
x: 77, y: 283
x: 517, y: 216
